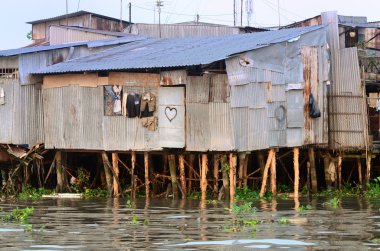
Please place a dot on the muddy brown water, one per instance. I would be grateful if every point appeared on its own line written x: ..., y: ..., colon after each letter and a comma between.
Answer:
x: 165, y: 224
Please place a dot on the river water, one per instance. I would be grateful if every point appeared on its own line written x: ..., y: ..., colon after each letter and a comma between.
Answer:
x: 165, y: 224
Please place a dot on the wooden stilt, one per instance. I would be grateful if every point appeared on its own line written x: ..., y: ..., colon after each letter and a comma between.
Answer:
x: 245, y: 171
x: 165, y: 163
x: 216, y: 161
x: 233, y: 163
x: 265, y: 173
x: 340, y: 171
x: 260, y: 158
x: 296, y: 171
x: 368, y: 170
x: 146, y: 174
x: 133, y: 180
x: 326, y: 163
x: 204, y: 175
x: 115, y: 167
x: 359, y: 163
x: 151, y: 177
x: 313, y: 171
x: 173, y: 175
x: 26, y: 175
x: 107, y: 171
x: 241, y: 169
x: 226, y: 183
x: 61, y: 174
x: 308, y: 177
x: 182, y: 174
x: 191, y: 160
x: 273, y: 178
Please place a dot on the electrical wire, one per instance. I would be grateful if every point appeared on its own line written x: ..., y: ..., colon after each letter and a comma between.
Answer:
x: 78, y: 5
x: 181, y: 14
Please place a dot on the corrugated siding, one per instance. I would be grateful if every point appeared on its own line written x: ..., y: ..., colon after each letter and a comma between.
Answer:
x: 257, y: 129
x: 220, y: 127
x: 198, y: 89
x: 6, y: 111
x: 241, y: 122
x: 74, y: 119
x: 346, y: 104
x: 197, y: 127
x: 185, y: 30
x: 219, y: 88
x: 27, y: 119
x: 60, y: 35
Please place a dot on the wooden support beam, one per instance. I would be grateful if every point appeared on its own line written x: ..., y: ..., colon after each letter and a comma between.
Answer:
x: 204, y: 170
x: 233, y: 163
x: 173, y: 175
x: 226, y: 183
x: 62, y: 182
x: 368, y: 170
x: 313, y: 170
x: 265, y: 173
x: 245, y: 171
x: 359, y: 163
x: 273, y: 178
x: 340, y: 159
x: 260, y: 159
x: 326, y: 164
x: 107, y: 171
x: 133, y: 180
x: 296, y: 153
x: 191, y: 160
x: 182, y: 174
x: 146, y: 174
x: 241, y: 169
x: 115, y: 168
x: 216, y: 160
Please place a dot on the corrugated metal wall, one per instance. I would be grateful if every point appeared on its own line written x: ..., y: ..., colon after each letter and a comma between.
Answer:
x: 183, y: 30
x: 61, y: 35
x: 6, y: 111
x: 208, y: 114
x: 346, y: 104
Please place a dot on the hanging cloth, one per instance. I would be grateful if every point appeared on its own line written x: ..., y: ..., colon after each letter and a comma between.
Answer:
x: 2, y: 96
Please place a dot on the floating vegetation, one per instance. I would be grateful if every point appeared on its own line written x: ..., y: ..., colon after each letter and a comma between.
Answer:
x: 135, y: 220
x: 31, y: 193
x: 18, y: 215
x: 95, y: 193
x: 130, y: 204
x: 304, y: 208
x: 283, y: 221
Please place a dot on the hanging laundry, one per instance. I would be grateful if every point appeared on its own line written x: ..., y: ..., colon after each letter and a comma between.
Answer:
x: 133, y: 105
x: 2, y: 96
x: 314, y: 109
x: 148, y: 104
x: 150, y: 123
x: 117, y: 105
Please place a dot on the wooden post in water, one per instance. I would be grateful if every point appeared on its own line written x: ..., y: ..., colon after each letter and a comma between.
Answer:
x: 340, y: 159
x: 182, y: 174
x: 226, y: 183
x: 265, y: 173
x: 204, y: 175
x: 191, y: 171
x: 359, y: 163
x: 326, y: 163
x: 245, y: 171
x: 273, y: 178
x: 260, y: 158
x: 313, y: 171
x: 241, y: 169
x: 368, y: 171
x: 115, y: 167
x: 216, y: 158
x: 233, y: 163
x: 133, y: 165
x: 173, y: 175
x: 296, y: 153
x: 146, y: 167
x: 60, y: 160
x: 107, y: 171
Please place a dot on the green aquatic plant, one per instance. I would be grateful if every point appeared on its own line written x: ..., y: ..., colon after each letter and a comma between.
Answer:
x: 135, y: 220
x: 130, y: 204
x: 243, y: 208
x: 334, y: 202
x: 244, y: 194
x: 18, y: 215
x: 304, y: 208
x: 283, y: 221
x: 32, y: 193
x: 95, y: 193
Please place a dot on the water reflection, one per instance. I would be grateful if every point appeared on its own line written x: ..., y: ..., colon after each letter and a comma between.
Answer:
x: 188, y: 224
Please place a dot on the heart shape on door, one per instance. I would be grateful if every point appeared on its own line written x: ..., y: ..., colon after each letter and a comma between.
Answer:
x: 170, y: 113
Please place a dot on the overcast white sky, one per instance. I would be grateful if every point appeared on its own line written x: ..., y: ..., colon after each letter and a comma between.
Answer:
x: 14, y: 13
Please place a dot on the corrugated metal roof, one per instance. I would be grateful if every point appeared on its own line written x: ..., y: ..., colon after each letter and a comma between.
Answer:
x: 74, y: 14
x: 89, y: 44
x: 104, y: 32
x: 161, y: 53
x: 361, y: 25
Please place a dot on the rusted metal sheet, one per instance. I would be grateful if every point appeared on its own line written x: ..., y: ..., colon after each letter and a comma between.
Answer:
x: 347, y: 108
x: 197, y: 127
x: 173, y: 77
x: 221, y: 136
x: 219, y: 88
x: 6, y: 111
x: 198, y: 89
